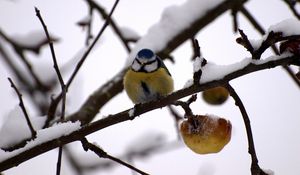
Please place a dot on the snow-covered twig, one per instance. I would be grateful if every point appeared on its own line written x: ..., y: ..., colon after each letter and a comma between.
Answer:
x: 260, y: 29
x: 145, y: 107
x: 102, y: 154
x: 199, y: 62
x: 114, y: 86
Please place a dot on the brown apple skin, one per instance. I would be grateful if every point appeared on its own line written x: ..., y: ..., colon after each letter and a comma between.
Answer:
x: 215, y: 96
x: 206, y: 134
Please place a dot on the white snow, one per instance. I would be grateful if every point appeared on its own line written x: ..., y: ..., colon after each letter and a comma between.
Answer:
x: 287, y: 27
x: 131, y: 112
x: 197, y: 64
x: 15, y: 129
x: 44, y: 135
x: 256, y: 43
x: 33, y: 38
x: 212, y: 71
x: 269, y: 172
x: 189, y: 83
x: 174, y: 20
x: 129, y: 34
x: 84, y: 21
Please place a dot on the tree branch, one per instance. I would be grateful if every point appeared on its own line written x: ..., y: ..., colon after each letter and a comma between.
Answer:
x: 21, y: 104
x: 114, y: 86
x: 292, y: 4
x: 102, y: 154
x: 113, y: 24
x: 54, y: 103
x: 255, y: 169
x: 261, y: 30
x: 139, y: 110
x: 61, y: 81
x: 19, y: 49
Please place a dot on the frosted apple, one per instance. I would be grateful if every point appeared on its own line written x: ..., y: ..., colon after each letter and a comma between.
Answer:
x: 215, y: 96
x: 205, y: 134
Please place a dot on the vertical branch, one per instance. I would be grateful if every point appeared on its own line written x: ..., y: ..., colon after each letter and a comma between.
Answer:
x: 199, y: 62
x: 55, y: 65
x: 89, y: 27
x: 21, y: 104
x: 255, y: 169
x: 61, y: 81
x: 54, y: 103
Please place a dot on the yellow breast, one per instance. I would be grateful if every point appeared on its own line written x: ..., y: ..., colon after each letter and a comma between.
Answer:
x: 159, y: 83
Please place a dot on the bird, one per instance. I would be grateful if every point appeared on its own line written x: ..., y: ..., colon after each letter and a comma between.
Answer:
x: 147, y: 78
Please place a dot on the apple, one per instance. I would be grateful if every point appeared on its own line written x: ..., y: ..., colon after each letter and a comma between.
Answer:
x: 205, y: 134
x: 215, y: 96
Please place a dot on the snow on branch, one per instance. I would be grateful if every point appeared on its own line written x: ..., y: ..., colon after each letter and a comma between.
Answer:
x: 163, y: 45
x: 51, y: 138
x: 174, y: 20
x: 43, y: 135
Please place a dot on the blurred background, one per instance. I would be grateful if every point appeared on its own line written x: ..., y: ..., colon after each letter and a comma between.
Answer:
x: 270, y: 96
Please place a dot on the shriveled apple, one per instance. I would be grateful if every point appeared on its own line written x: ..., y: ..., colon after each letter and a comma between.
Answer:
x: 205, y: 134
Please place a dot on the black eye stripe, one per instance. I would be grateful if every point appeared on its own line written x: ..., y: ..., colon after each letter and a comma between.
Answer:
x: 138, y: 61
x: 150, y: 62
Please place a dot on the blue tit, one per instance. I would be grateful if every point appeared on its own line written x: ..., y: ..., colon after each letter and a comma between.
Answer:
x: 148, y: 78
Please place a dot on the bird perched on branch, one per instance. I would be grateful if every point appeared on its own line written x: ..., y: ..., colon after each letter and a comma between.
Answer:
x: 148, y: 78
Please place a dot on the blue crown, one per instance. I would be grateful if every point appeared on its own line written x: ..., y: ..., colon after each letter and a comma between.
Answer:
x: 145, y: 53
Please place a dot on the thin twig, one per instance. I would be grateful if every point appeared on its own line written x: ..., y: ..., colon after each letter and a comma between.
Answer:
x: 292, y: 4
x: 18, y: 74
x: 55, y: 101
x: 292, y: 74
x: 58, y: 164
x: 261, y: 30
x: 186, y: 104
x: 38, y: 14
x: 89, y: 27
x: 244, y: 41
x: 55, y: 65
x: 102, y: 154
x: 197, y: 53
x: 19, y: 49
x: 61, y: 81
x: 139, y: 110
x: 114, y: 86
x: 255, y: 169
x: 113, y: 24
x: 21, y: 104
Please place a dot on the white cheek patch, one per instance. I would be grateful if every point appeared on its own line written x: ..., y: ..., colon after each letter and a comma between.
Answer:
x: 151, y: 67
x: 136, y: 66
